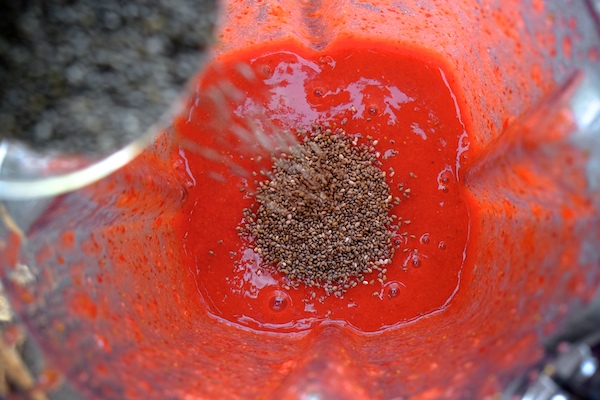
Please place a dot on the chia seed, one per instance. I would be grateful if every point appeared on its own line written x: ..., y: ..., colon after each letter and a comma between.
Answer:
x: 323, y: 216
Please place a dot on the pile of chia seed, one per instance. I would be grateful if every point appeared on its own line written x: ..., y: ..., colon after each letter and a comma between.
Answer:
x: 90, y: 76
x: 323, y: 217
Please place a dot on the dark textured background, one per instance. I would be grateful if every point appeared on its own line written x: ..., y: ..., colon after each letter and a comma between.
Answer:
x: 90, y: 76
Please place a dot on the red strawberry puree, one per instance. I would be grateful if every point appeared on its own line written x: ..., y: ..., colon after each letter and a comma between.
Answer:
x: 403, y: 102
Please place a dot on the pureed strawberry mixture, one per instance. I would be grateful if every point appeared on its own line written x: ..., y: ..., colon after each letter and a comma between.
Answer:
x: 250, y: 107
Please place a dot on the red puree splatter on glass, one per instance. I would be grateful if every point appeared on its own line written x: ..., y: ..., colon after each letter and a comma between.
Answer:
x: 403, y: 102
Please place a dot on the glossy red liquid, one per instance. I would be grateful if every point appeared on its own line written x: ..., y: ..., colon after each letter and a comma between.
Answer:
x: 404, y: 101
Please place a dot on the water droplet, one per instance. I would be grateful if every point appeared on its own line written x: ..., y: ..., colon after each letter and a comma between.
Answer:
x: 327, y: 60
x: 442, y: 246
x: 393, y: 290
x: 373, y: 110
x: 445, y: 177
x: 416, y: 261
x: 267, y: 71
x: 279, y: 301
x: 424, y: 239
x: 318, y: 92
